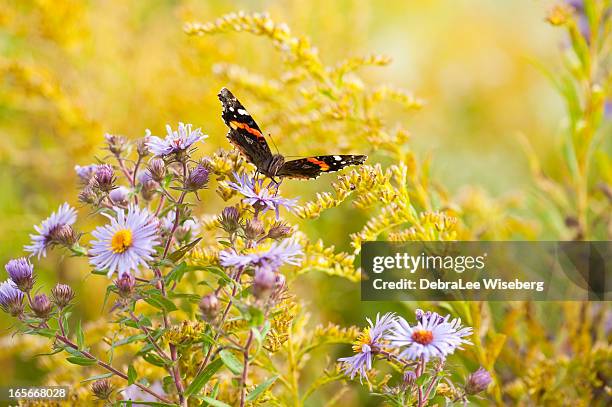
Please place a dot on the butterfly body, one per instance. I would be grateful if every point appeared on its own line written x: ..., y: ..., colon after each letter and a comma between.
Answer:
x: 246, y: 136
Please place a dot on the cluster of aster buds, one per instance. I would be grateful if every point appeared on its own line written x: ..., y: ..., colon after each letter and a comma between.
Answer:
x: 62, y: 295
x: 198, y: 177
x: 41, y: 306
x: 209, y: 305
x: 125, y: 285
x: 102, y: 389
x: 104, y: 178
x: 21, y: 273
x: 116, y: 144
x: 478, y: 381
x: 230, y: 219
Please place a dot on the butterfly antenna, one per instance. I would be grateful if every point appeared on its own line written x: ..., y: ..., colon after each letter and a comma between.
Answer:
x: 273, y: 143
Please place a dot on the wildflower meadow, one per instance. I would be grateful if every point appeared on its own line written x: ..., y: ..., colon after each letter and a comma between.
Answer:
x: 187, y: 186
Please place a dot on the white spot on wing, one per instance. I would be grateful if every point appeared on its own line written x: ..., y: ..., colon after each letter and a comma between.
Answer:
x: 337, y: 158
x: 243, y: 112
x: 231, y: 109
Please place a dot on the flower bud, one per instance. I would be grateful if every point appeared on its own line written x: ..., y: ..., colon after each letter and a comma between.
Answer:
x: 21, y: 272
x: 157, y: 169
x: 88, y: 195
x: 209, y: 305
x: 116, y: 144
x: 141, y: 146
x: 198, y: 178
x: 254, y: 229
x: 408, y: 379
x: 478, y: 381
x: 125, y: 285
x: 11, y: 299
x: 102, y: 389
x: 86, y: 172
x: 279, y: 230
x: 64, y: 234
x: 188, y: 230
x: 62, y: 295
x: 119, y: 196
x: 104, y: 178
x: 41, y: 306
x: 230, y: 219
x: 149, y: 186
x: 264, y: 282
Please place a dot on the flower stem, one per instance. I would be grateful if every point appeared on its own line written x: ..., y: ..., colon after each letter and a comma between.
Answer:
x: 245, y: 369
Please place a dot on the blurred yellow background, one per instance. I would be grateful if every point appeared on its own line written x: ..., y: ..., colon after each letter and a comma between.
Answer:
x: 73, y: 70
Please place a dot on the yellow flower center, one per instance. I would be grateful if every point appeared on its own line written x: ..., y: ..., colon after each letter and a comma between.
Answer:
x: 121, y: 240
x: 362, y: 339
x: 423, y: 337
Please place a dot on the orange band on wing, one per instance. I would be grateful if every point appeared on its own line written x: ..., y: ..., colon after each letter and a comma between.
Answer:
x: 322, y: 164
x: 234, y: 124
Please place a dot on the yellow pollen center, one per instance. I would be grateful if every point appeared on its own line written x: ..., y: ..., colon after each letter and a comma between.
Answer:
x: 121, y: 240
x: 423, y: 337
x: 362, y: 339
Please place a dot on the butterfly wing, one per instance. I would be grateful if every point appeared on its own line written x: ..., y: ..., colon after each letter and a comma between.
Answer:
x: 244, y: 133
x: 312, y: 167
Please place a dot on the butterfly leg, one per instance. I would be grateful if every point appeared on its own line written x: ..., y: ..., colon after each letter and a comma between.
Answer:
x: 277, y: 184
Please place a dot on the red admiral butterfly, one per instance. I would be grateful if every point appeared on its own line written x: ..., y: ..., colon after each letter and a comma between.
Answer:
x: 246, y: 136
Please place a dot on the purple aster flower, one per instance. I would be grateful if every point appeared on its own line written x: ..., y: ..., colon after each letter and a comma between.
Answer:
x: 21, y: 272
x: 176, y: 141
x: 85, y: 172
x: 430, y: 337
x: 65, y: 215
x: 366, y: 345
x: 258, y: 196
x: 11, y: 298
x: 126, y: 243
x: 288, y: 251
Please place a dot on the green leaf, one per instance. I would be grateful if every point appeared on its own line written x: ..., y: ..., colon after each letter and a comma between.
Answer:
x: 131, y: 374
x: 161, y: 302
x: 203, y: 377
x: 97, y: 377
x: 231, y: 361
x: 213, y: 402
x: 179, y: 253
x: 79, y: 334
x: 154, y: 359
x: 260, y: 388
x: 177, y: 273
x: 129, y: 339
x: 82, y: 361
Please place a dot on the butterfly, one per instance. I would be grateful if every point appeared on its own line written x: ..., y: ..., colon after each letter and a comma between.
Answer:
x: 247, y: 137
